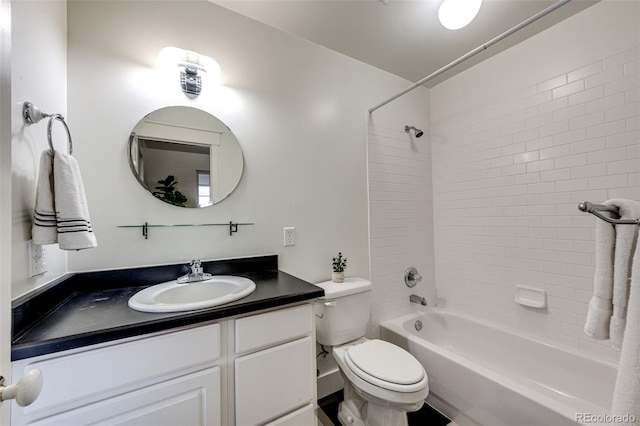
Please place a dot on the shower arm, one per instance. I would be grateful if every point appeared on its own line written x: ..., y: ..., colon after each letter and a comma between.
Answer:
x: 474, y: 52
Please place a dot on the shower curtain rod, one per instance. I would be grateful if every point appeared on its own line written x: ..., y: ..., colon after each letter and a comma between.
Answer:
x: 474, y: 52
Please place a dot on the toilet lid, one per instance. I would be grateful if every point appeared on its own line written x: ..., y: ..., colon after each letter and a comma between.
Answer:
x: 386, y: 362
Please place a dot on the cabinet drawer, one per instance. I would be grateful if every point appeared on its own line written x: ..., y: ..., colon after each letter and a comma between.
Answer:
x: 275, y: 381
x: 305, y: 416
x: 263, y: 330
x: 85, y: 377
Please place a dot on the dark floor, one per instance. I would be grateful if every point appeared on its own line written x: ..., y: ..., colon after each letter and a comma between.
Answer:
x: 425, y: 416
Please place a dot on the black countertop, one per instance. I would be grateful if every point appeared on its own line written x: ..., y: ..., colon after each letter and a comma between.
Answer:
x: 91, y: 307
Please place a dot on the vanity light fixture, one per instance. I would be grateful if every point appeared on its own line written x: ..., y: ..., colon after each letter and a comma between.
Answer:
x: 455, y: 14
x: 191, y: 65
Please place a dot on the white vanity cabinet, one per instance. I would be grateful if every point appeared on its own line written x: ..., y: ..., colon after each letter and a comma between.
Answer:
x: 275, y: 368
x: 166, y: 379
x: 249, y: 370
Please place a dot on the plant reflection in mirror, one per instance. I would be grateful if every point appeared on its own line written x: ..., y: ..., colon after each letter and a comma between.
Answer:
x: 167, y: 192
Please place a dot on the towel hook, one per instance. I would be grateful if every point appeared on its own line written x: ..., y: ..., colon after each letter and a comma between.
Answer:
x: 32, y: 114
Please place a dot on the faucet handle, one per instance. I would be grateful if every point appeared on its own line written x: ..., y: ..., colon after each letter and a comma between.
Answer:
x: 196, y: 267
x: 412, y: 277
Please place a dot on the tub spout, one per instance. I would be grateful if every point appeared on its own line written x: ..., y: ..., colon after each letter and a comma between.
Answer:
x: 417, y: 299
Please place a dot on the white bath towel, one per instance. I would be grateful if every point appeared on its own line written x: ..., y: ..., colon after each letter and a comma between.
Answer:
x: 601, y: 304
x: 626, y: 395
x: 44, y: 228
x: 72, y: 213
x: 624, y: 251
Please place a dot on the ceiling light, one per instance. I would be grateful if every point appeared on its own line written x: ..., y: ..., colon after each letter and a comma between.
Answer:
x: 455, y: 14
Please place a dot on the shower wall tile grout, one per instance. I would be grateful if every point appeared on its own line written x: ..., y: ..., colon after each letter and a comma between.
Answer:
x: 507, y: 179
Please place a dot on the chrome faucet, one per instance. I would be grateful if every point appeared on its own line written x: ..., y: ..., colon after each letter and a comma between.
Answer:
x: 196, y: 273
x: 417, y: 299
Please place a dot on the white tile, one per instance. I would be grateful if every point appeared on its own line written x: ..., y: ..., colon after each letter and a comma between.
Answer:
x: 630, y: 55
x: 607, y: 129
x: 606, y: 76
x: 569, y: 89
x: 592, y: 170
x: 588, y: 145
x: 552, y: 83
x: 555, y: 152
x: 585, y: 121
x: 607, y: 155
x: 588, y: 95
x: 607, y: 182
x: 505, y: 202
x: 621, y: 112
x: 585, y: 71
x: 622, y: 85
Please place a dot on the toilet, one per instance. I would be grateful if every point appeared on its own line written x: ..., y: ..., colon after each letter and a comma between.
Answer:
x: 382, y: 382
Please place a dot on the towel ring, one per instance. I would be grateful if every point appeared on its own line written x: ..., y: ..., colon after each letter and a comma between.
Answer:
x: 32, y: 114
x: 50, y: 138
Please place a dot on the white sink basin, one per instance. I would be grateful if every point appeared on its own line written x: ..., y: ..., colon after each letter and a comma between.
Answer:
x: 174, y: 297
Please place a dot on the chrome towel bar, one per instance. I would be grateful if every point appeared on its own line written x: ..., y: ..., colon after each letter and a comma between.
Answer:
x: 595, y: 210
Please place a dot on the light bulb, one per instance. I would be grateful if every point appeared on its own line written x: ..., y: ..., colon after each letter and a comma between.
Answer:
x: 455, y: 14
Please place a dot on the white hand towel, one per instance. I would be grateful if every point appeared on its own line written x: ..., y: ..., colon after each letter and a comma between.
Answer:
x: 624, y: 250
x: 44, y: 228
x: 74, y: 225
x: 626, y: 394
x: 600, y: 306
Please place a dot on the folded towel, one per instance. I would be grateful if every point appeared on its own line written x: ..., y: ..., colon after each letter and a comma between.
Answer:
x: 624, y: 250
x: 74, y: 225
x: 626, y: 394
x: 600, y: 306
x: 44, y: 228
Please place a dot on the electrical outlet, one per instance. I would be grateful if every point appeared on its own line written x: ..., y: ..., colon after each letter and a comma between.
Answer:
x: 289, y: 236
x: 37, y: 259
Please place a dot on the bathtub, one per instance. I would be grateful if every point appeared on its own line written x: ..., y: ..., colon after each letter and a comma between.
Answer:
x: 482, y: 373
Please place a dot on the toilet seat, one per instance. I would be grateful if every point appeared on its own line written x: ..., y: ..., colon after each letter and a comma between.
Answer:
x: 386, y: 365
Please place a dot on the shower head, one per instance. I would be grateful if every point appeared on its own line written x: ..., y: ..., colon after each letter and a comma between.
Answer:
x: 417, y: 131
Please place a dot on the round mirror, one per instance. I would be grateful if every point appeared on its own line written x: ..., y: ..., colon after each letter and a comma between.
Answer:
x: 185, y: 157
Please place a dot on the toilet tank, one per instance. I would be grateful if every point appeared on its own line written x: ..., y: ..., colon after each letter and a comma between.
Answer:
x: 342, y: 314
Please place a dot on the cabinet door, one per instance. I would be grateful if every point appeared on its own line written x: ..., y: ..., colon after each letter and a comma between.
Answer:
x: 273, y: 382
x: 192, y: 400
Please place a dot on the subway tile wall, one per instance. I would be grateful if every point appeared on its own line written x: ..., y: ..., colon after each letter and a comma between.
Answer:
x: 400, y: 216
x: 507, y: 180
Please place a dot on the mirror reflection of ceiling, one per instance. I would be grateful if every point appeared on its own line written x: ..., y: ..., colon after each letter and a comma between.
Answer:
x: 403, y: 37
x: 185, y: 157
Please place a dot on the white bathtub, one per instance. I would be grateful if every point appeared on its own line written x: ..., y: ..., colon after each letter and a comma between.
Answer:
x: 482, y: 373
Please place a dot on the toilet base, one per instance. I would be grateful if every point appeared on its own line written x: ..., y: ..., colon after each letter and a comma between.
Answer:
x: 375, y: 415
x: 357, y: 410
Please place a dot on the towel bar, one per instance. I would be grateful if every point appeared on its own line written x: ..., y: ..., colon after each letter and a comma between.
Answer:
x: 595, y: 210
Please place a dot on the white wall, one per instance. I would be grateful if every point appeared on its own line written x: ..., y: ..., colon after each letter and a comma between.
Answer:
x: 298, y: 111
x: 38, y: 75
x: 518, y: 141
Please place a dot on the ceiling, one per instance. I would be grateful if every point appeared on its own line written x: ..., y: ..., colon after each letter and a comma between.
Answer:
x: 403, y: 37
